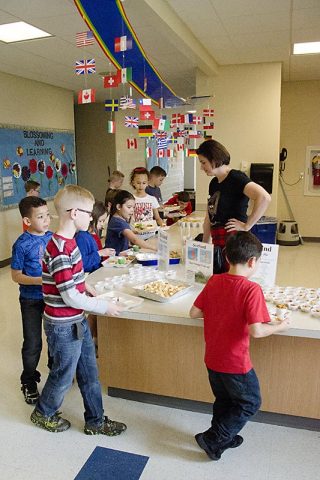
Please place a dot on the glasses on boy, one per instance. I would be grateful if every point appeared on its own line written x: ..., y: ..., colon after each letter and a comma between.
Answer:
x: 89, y: 212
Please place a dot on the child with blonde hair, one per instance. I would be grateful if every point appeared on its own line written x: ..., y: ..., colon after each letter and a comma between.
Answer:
x: 69, y: 339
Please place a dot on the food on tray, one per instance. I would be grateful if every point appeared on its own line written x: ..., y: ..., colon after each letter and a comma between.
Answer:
x: 135, y: 248
x: 175, y: 254
x: 282, y: 305
x: 144, y: 226
x: 163, y: 288
x: 119, y: 261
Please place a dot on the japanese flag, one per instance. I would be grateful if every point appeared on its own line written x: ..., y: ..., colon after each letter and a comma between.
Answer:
x: 87, y: 96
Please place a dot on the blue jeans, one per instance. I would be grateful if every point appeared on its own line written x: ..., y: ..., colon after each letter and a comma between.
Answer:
x: 31, y: 312
x: 73, y: 353
x: 237, y: 400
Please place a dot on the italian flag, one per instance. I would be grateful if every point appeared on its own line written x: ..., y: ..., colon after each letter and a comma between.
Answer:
x: 111, y: 126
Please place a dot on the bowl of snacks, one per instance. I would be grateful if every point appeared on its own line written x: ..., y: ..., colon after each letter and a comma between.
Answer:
x: 282, y: 310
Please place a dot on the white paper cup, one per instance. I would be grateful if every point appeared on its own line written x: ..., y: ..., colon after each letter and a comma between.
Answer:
x: 282, y: 313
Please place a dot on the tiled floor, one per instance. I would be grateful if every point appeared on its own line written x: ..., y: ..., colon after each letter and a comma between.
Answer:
x: 165, y: 435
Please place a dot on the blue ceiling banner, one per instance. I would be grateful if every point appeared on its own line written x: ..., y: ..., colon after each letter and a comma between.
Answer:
x: 107, y: 20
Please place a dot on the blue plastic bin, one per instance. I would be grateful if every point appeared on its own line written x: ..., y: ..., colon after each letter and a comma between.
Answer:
x: 266, y: 229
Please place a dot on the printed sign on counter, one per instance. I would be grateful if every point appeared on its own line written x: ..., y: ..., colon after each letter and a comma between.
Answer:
x: 199, y: 261
x: 267, y: 269
x: 163, y: 251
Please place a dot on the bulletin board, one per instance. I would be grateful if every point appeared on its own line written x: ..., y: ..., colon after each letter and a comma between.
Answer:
x: 28, y: 153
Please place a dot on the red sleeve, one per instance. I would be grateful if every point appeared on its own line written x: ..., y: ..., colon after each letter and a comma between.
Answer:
x: 256, y: 308
x: 97, y: 240
x: 200, y: 300
x: 173, y: 200
x: 188, y: 208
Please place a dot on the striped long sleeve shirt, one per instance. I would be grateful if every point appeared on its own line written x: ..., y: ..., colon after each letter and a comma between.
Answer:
x: 63, y: 284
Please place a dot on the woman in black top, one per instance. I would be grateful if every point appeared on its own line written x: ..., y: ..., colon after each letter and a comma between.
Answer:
x: 229, y: 191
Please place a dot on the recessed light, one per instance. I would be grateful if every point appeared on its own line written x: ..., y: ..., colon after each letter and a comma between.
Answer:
x: 305, y: 48
x: 19, y: 31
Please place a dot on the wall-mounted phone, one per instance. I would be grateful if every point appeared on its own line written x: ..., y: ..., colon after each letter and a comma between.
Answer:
x: 282, y: 157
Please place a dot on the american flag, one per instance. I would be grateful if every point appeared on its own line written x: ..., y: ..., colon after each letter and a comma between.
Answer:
x: 84, y: 38
x: 131, y: 122
x: 85, y: 66
x: 127, y: 102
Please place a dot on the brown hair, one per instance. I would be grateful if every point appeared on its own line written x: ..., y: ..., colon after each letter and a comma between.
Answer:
x: 28, y: 203
x: 138, y: 171
x: 120, y: 198
x: 242, y: 246
x: 98, y: 210
x: 215, y: 152
x: 158, y: 171
x: 31, y: 185
x: 183, y: 196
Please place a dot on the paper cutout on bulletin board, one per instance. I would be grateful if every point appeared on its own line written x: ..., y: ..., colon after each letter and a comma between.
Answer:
x: 46, y: 156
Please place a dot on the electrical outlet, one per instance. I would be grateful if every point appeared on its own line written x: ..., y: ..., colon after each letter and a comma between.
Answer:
x: 301, y: 175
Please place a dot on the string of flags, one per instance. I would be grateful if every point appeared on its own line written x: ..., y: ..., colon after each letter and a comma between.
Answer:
x: 179, y: 131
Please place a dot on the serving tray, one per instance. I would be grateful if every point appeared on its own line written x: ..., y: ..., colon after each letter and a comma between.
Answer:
x: 121, y: 299
x: 140, y: 289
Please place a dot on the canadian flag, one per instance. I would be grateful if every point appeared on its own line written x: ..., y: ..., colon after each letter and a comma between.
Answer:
x: 160, y: 153
x: 87, y: 96
x: 149, y: 152
x: 132, y: 143
x: 179, y: 147
x: 169, y: 152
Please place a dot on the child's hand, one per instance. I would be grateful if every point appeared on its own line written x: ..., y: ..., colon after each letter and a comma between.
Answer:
x: 114, y: 310
x: 286, y: 322
x: 107, y: 252
x: 90, y: 290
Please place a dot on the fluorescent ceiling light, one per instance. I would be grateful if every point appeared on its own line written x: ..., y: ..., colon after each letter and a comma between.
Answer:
x: 192, y: 111
x: 18, y: 31
x: 305, y: 48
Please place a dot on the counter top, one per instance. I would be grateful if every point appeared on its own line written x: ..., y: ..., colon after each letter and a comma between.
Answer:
x: 177, y: 311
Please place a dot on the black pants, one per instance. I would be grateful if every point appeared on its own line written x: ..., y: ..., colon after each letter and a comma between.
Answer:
x: 31, y: 311
x: 237, y: 400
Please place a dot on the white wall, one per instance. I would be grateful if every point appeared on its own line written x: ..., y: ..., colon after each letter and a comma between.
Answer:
x: 300, y: 127
x: 28, y: 103
x: 247, y: 118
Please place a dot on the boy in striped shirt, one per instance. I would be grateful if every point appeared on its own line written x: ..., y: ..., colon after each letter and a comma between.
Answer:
x: 69, y: 339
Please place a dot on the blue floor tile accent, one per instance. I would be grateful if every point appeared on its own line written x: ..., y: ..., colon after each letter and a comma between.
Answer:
x: 108, y: 464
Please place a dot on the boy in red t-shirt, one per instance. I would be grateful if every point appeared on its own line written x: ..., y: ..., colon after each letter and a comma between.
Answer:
x: 233, y: 308
x: 183, y: 200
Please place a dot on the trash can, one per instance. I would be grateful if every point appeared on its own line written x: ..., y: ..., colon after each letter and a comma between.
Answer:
x: 266, y: 229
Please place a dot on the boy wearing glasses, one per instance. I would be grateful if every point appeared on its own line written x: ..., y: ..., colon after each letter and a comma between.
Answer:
x: 69, y: 338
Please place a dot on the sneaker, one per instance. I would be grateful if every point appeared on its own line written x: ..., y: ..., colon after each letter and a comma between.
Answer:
x: 216, y: 454
x: 30, y: 393
x: 55, y: 423
x: 109, y: 427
